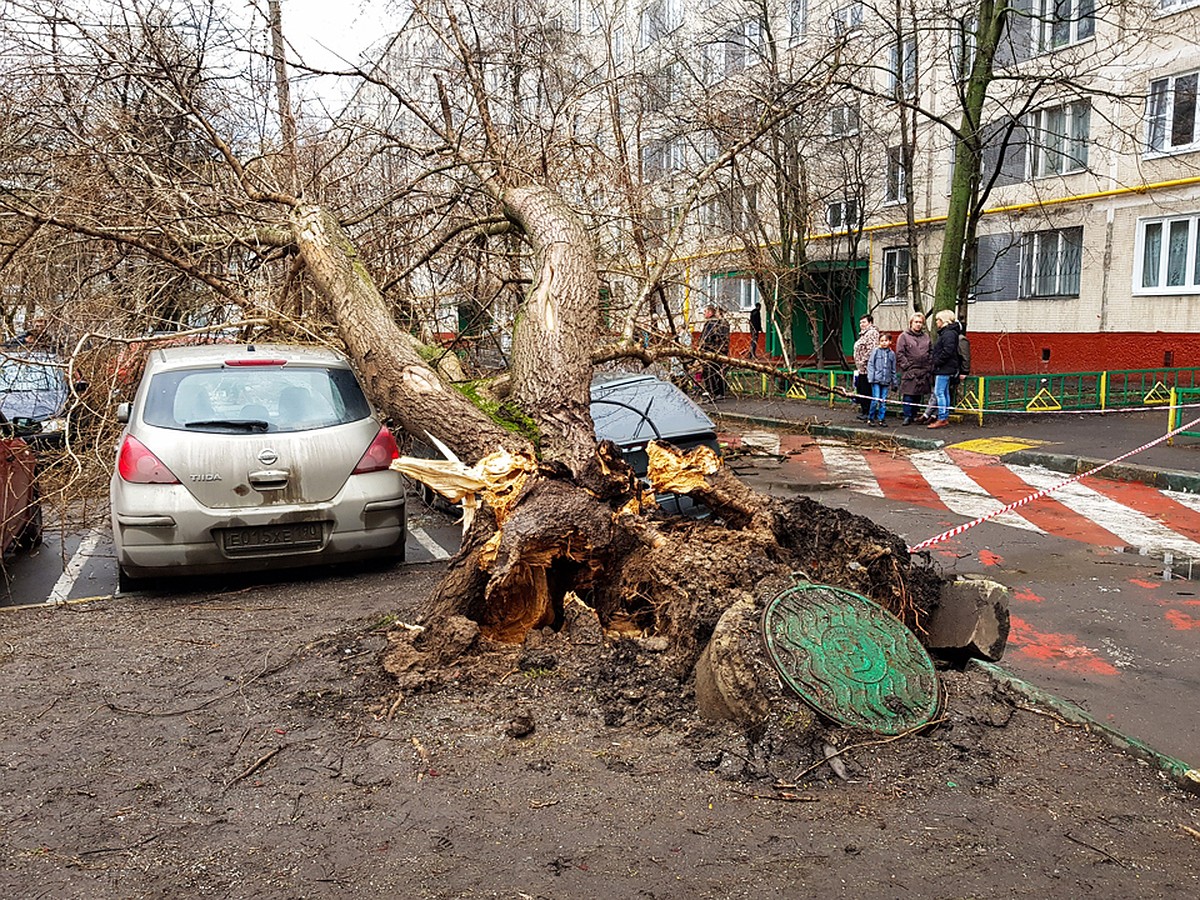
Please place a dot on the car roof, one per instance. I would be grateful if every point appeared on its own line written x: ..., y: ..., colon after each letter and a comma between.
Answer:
x: 208, y: 354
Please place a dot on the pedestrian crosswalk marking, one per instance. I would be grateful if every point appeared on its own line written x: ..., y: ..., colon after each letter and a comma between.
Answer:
x: 850, y: 468
x: 422, y: 537
x: 961, y: 494
x: 1130, y: 525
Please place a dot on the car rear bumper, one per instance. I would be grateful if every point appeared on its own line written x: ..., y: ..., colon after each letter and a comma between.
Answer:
x: 159, y: 531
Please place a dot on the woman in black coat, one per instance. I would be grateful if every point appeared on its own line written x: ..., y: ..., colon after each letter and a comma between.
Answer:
x: 945, y: 363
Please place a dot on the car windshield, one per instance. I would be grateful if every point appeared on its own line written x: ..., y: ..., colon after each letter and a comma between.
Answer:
x: 29, y: 375
x: 254, y: 399
x: 32, y: 388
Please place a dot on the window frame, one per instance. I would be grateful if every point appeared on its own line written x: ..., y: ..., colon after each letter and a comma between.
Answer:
x: 1164, y: 120
x: 849, y: 123
x: 892, y: 274
x: 798, y: 21
x: 1046, y: 160
x: 1034, y: 245
x: 902, y: 67
x: 1049, y: 22
x: 1191, y: 252
x: 848, y: 215
x: 895, y: 188
x: 847, y: 19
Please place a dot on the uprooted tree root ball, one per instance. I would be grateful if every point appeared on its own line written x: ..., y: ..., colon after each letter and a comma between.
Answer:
x: 636, y: 598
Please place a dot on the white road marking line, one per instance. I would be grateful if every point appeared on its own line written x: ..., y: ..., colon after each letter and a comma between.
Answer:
x: 66, y: 581
x: 423, y: 538
x: 1192, y: 501
x: 960, y: 493
x: 848, y: 465
x: 1128, y: 524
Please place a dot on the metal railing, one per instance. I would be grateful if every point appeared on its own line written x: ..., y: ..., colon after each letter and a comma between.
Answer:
x: 983, y: 394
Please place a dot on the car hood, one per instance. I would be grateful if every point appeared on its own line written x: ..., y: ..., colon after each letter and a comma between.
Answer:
x: 232, y: 471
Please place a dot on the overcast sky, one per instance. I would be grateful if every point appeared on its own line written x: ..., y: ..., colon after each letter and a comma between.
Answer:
x: 326, y: 33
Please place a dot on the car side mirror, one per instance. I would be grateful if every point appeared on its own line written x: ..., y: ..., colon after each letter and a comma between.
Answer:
x: 80, y: 386
x: 123, y: 413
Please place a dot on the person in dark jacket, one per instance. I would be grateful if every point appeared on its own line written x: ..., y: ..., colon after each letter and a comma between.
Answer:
x: 714, y: 338
x: 755, y: 329
x: 945, y: 364
x: 914, y: 358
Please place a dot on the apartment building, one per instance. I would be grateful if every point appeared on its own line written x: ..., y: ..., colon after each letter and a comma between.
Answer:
x: 799, y: 153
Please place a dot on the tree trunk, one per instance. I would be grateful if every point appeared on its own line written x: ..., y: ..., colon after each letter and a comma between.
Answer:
x: 387, y: 358
x: 553, y: 340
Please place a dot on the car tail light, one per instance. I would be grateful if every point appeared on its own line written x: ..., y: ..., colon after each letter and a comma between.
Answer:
x: 138, y: 465
x: 380, y: 454
x: 255, y: 361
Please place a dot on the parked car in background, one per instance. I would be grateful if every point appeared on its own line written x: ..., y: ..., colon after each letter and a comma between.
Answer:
x: 20, y: 502
x: 632, y: 410
x: 35, y: 396
x: 243, y: 458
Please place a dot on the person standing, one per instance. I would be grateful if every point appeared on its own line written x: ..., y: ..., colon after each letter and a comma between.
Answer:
x: 945, y: 364
x: 868, y: 340
x: 881, y: 372
x: 714, y: 338
x: 914, y: 359
x: 756, y: 329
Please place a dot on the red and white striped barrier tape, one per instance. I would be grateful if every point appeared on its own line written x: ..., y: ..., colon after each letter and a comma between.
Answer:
x: 1037, y: 495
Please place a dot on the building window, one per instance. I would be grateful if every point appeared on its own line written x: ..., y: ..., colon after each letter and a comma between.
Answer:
x: 841, y: 215
x: 733, y: 290
x: 1060, y: 23
x: 843, y: 120
x: 1167, y: 259
x: 618, y: 45
x: 902, y: 68
x: 658, y: 20
x: 897, y: 176
x: 743, y: 45
x: 896, y: 262
x: 1060, y: 139
x: 1171, y: 114
x: 1051, y: 262
x: 798, y: 20
x: 847, y: 18
x: 963, y: 46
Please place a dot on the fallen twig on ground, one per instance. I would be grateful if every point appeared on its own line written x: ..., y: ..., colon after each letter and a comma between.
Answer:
x: 254, y: 766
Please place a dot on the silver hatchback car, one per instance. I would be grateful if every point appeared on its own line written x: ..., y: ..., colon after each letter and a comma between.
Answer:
x: 239, y: 458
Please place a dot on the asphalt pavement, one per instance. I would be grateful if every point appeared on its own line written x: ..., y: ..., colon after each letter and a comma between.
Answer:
x: 1069, y: 442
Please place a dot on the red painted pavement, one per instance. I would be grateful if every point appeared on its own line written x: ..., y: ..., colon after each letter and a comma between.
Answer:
x: 1045, y: 512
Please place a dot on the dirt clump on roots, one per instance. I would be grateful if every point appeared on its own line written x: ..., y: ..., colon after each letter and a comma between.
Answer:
x: 633, y: 640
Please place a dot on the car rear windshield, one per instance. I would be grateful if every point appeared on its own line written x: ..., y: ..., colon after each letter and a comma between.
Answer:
x: 254, y: 399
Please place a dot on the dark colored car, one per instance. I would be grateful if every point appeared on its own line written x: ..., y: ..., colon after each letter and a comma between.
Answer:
x: 34, y: 395
x: 632, y: 410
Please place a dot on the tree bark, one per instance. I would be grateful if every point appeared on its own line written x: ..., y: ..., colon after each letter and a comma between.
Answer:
x: 554, y: 336
x: 387, y: 358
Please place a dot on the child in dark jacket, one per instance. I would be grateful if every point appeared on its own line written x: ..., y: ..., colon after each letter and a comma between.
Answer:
x: 881, y: 372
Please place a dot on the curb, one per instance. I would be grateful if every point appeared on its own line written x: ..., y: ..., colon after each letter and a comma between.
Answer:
x: 846, y: 432
x: 1176, y: 770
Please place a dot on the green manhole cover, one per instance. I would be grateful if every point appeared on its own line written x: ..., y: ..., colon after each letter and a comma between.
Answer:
x: 850, y: 659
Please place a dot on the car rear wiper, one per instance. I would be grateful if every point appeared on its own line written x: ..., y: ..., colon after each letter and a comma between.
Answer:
x: 243, y: 424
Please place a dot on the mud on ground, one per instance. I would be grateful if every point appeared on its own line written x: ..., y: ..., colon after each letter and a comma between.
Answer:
x: 246, y: 743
